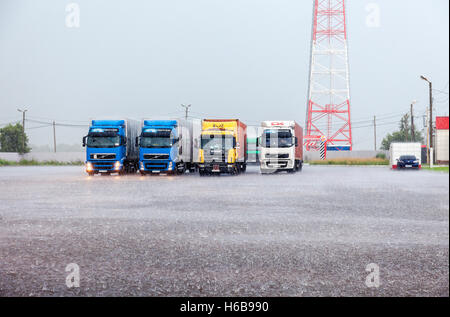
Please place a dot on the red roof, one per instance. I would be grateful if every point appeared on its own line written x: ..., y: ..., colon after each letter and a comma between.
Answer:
x: 442, y: 123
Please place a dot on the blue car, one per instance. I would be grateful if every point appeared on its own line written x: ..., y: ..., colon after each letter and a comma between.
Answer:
x: 408, y: 161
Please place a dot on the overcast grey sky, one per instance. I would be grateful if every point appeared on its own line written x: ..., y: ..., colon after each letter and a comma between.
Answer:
x: 245, y: 59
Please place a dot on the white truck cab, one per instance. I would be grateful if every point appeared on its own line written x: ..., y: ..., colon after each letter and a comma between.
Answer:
x: 281, y: 146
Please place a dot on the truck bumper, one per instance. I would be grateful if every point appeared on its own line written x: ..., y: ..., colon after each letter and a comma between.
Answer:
x: 95, y: 167
x: 279, y: 164
x: 156, y: 166
x: 218, y: 167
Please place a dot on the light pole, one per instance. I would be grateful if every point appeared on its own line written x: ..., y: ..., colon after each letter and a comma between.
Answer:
x: 187, y: 109
x: 430, y: 129
x: 413, y: 132
x: 23, y: 126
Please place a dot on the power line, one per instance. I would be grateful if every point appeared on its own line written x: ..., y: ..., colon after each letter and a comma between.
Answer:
x: 440, y: 91
x: 38, y: 127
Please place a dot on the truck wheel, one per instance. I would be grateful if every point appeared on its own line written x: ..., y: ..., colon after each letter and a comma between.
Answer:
x: 243, y: 167
x: 300, y: 166
x: 180, y: 169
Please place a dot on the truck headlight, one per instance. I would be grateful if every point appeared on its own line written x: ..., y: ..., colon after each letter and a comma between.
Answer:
x: 89, y: 167
x: 142, y: 165
x: 170, y: 166
x: 117, y: 166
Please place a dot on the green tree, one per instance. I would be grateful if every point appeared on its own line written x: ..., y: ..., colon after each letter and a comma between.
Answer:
x: 13, y: 139
x: 402, y: 135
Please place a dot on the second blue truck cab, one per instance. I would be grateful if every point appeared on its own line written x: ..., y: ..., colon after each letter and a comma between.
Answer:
x: 165, y: 146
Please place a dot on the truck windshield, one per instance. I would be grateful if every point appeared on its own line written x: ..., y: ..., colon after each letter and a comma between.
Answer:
x: 217, y: 142
x: 157, y: 139
x: 277, y: 138
x: 103, y: 141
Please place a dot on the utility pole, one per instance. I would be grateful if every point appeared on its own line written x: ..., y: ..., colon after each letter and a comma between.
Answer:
x: 430, y: 128
x: 187, y: 109
x: 23, y: 126
x: 54, y: 136
x: 375, y: 131
x: 413, y: 133
x: 428, y: 136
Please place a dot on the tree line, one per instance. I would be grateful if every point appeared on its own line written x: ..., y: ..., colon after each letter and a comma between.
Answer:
x: 404, y: 134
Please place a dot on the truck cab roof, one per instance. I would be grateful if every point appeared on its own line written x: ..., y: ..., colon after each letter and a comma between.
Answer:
x: 278, y: 124
x: 163, y: 123
x: 108, y: 123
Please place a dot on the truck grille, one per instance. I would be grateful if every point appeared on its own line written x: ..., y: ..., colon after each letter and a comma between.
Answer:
x: 103, y: 166
x: 156, y: 166
x: 106, y: 156
x: 280, y: 164
x: 219, y: 157
x: 156, y: 156
x: 280, y: 156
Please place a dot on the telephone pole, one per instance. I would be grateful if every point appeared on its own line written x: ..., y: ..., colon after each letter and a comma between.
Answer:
x: 54, y: 136
x: 430, y: 128
x: 428, y: 136
x: 413, y: 133
x: 23, y: 126
x: 375, y: 131
x: 187, y: 109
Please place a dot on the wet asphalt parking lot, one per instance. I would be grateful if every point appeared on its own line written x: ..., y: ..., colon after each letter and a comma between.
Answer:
x: 307, y: 234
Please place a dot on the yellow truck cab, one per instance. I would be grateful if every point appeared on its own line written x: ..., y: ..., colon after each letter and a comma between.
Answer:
x: 223, y: 147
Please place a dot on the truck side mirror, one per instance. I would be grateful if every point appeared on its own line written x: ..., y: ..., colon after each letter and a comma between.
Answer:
x: 296, y: 141
x: 84, y: 141
x: 234, y: 143
x: 124, y: 140
x: 137, y: 142
x: 180, y: 150
x: 258, y: 141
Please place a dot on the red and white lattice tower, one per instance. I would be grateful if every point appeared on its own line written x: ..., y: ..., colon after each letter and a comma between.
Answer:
x: 328, y: 110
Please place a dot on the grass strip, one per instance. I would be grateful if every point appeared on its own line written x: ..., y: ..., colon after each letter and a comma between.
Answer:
x: 351, y: 161
x: 38, y: 163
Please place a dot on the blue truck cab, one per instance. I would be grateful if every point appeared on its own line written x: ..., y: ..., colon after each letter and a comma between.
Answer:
x: 165, y: 146
x: 110, y: 147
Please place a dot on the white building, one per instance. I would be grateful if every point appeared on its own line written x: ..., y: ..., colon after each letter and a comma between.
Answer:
x: 441, y: 140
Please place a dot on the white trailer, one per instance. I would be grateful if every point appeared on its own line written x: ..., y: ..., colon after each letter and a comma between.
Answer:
x: 196, y: 131
x: 398, y: 149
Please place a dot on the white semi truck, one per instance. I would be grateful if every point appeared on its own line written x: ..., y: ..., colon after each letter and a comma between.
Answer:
x: 281, y: 146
